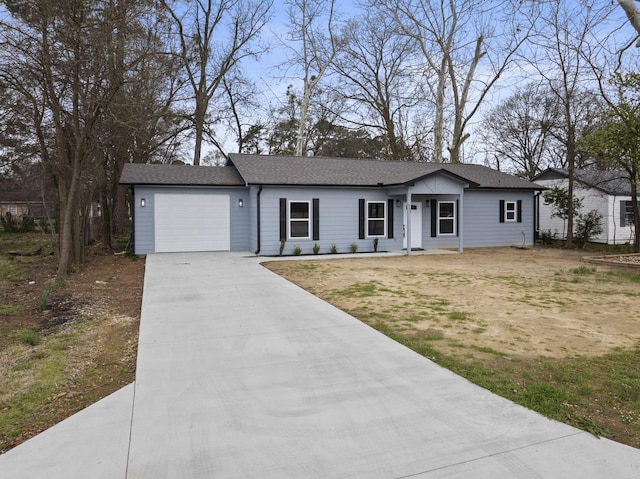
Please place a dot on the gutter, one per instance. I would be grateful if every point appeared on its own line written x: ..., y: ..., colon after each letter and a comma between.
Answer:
x: 258, y: 219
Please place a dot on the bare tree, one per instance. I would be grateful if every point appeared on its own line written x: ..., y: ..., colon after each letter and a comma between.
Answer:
x: 79, y: 66
x: 466, y: 46
x: 240, y: 101
x: 561, y: 55
x: 214, y: 36
x: 312, y: 45
x: 376, y: 80
x: 631, y: 10
x: 519, y: 131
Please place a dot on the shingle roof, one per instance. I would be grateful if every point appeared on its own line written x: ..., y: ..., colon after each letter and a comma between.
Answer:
x: 611, y: 182
x: 322, y: 171
x: 179, y: 175
x: 314, y: 171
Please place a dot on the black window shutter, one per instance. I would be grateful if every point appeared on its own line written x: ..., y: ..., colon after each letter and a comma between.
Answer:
x: 501, y: 211
x: 457, y: 213
x: 519, y: 211
x: 434, y: 218
x: 283, y: 219
x: 361, y: 206
x: 316, y: 219
x: 623, y: 205
x: 390, y: 219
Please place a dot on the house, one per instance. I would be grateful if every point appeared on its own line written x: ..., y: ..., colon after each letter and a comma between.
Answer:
x: 261, y: 203
x: 20, y: 204
x: 608, y: 192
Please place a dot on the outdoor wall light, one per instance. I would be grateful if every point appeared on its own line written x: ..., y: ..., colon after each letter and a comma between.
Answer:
x: 240, y: 203
x: 398, y: 203
x: 142, y: 202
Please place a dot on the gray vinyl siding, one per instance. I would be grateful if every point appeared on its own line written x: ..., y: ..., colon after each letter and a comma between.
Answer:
x: 339, y: 215
x: 482, y: 225
x: 144, y: 216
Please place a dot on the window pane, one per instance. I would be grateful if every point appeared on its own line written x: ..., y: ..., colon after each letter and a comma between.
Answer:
x: 299, y: 229
x: 299, y: 210
x: 511, y: 206
x: 446, y: 226
x: 376, y: 210
x: 446, y: 210
x: 376, y: 228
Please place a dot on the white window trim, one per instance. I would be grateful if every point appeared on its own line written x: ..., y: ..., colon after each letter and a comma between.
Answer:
x: 289, y: 220
x: 507, y: 211
x: 383, y: 219
x: 452, y: 218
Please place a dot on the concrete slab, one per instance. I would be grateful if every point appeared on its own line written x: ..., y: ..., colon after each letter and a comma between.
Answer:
x: 93, y: 443
x: 242, y: 374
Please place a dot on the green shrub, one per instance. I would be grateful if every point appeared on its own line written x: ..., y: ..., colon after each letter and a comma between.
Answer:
x: 43, y: 302
x: 333, y: 249
x: 297, y: 251
x: 588, y: 226
x: 316, y: 248
x: 28, y: 224
x: 354, y: 247
x: 547, y: 237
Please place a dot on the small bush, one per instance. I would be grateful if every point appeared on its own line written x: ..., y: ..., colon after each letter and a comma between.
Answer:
x: 354, y: 247
x: 588, y: 226
x: 28, y: 224
x: 282, y: 243
x: 28, y: 337
x: 43, y: 302
x: 316, y: 248
x: 375, y: 245
x: 297, y: 251
x: 547, y: 237
x: 333, y: 249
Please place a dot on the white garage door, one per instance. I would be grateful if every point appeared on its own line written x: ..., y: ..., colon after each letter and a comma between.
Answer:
x: 196, y: 222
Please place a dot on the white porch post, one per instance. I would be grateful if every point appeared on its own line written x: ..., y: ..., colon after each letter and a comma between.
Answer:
x: 407, y: 207
x: 460, y: 223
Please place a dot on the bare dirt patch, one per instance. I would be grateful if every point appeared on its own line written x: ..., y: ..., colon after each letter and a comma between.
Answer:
x: 84, y: 340
x: 534, y: 302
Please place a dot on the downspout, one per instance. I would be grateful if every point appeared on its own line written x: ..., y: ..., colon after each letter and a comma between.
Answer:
x: 132, y: 237
x: 536, y: 216
x: 407, y: 206
x: 258, y: 219
x: 460, y: 214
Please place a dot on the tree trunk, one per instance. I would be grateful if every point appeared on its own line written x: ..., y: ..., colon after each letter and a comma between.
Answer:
x: 636, y: 210
x: 571, y: 162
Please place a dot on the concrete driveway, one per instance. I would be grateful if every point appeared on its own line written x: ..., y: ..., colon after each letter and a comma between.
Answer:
x: 242, y: 374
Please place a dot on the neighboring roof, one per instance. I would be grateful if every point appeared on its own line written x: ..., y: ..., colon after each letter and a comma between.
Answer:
x: 611, y: 182
x: 323, y: 171
x: 20, y: 197
x: 179, y: 175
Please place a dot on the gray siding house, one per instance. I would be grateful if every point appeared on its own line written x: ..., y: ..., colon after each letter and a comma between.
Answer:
x: 259, y: 203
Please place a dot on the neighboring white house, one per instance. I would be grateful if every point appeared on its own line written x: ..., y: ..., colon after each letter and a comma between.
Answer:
x: 608, y: 192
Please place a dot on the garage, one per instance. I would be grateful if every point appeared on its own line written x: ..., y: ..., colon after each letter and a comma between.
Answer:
x: 191, y: 222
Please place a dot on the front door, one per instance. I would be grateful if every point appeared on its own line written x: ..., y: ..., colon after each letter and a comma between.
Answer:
x: 416, y: 226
